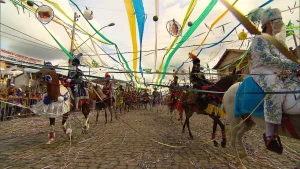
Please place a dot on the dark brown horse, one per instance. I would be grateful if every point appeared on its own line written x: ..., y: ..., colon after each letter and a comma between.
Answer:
x: 209, y: 98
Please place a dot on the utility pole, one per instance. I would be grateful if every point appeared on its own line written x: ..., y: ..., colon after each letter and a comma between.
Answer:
x: 73, y: 36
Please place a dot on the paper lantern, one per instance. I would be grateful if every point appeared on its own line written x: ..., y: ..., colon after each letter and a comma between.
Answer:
x: 190, y: 23
x: 88, y: 14
x: 44, y: 14
x: 30, y: 3
x: 242, y: 35
x: 155, y: 18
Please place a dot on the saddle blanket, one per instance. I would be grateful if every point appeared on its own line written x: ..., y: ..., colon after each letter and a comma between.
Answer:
x: 245, y: 101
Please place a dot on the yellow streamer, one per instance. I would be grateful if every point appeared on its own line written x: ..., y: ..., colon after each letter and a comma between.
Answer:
x: 212, y: 25
x: 187, y: 15
x: 132, y: 25
x: 253, y: 30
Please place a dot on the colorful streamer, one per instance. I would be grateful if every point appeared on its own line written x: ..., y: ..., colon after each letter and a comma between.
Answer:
x: 187, y: 15
x: 212, y: 25
x: 110, y: 42
x: 188, y: 34
x: 141, y: 19
x: 132, y: 25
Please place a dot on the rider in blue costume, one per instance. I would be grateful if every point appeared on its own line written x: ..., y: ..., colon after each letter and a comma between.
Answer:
x: 75, y: 79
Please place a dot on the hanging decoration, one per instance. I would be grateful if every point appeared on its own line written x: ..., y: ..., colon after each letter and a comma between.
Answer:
x: 253, y: 30
x: 186, y: 17
x: 2, y: 1
x: 289, y: 32
x: 188, y: 34
x: 132, y: 26
x: 242, y: 35
x: 44, y: 14
x: 173, y: 27
x: 141, y: 19
x: 190, y: 23
x: 30, y: 3
x: 155, y: 18
x: 88, y: 14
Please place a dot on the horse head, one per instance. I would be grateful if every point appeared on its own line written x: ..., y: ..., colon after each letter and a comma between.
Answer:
x: 53, y: 85
x: 224, y: 84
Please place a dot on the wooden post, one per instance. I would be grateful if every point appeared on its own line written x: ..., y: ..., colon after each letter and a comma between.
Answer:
x: 73, y: 36
x: 295, y: 40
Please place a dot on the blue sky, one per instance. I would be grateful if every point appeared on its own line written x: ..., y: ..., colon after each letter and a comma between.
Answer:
x: 107, y: 11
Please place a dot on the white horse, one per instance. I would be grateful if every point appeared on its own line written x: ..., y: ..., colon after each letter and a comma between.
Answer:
x: 290, y: 107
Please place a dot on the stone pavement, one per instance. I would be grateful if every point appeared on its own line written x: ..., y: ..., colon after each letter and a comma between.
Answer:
x: 126, y: 143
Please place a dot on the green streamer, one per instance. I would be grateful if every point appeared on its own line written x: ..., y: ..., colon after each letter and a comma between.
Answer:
x: 60, y: 45
x: 112, y: 43
x: 188, y: 34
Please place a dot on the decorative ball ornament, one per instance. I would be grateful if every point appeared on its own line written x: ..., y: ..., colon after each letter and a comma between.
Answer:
x: 30, y: 3
x: 155, y: 18
x: 88, y: 14
x: 190, y: 23
x: 48, y: 78
x: 173, y: 27
x: 242, y: 35
x: 44, y: 14
x: 60, y: 99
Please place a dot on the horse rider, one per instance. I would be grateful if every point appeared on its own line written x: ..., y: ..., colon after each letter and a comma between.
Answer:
x: 173, y: 91
x: 78, y: 86
x: 267, y: 61
x: 155, y: 96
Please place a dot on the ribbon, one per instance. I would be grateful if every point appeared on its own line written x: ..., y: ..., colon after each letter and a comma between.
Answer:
x: 141, y: 19
x: 189, y: 33
x: 253, y: 30
x: 212, y: 25
x: 187, y: 15
x: 132, y: 25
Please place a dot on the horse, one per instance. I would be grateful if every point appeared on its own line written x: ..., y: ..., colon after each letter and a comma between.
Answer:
x: 209, y: 102
x: 54, y: 104
x: 290, y: 122
x: 101, y: 100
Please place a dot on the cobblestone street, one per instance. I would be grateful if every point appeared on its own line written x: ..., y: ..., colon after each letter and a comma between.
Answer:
x: 131, y: 142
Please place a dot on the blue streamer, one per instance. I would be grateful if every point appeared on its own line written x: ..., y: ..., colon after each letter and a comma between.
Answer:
x: 141, y: 19
x: 264, y: 4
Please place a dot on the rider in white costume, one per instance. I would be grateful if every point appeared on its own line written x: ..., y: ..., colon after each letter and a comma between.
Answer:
x: 266, y: 59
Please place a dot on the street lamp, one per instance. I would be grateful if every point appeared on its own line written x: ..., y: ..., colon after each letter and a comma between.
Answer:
x: 109, y: 25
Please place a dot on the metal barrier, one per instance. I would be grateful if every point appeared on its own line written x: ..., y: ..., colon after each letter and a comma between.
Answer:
x: 9, y: 108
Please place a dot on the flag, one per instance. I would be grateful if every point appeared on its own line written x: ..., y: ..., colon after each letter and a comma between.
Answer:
x: 147, y: 70
x: 290, y: 32
x: 95, y: 64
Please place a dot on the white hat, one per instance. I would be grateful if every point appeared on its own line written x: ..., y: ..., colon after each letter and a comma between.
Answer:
x: 12, y: 84
x: 265, y: 15
x: 20, y: 89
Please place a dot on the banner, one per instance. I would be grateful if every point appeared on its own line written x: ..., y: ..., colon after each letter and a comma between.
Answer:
x: 10, y: 56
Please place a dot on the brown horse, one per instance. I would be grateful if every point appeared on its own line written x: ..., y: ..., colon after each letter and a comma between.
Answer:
x: 221, y: 86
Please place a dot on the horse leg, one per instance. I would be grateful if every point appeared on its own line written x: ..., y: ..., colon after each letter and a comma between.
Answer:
x: 97, y: 117
x: 51, y: 134
x: 213, y: 135
x: 233, y: 136
x: 86, y: 112
x: 105, y: 110
x: 111, y: 114
x: 116, y: 114
x: 188, y: 126
x: 222, y: 126
x: 183, y: 128
x: 246, y: 126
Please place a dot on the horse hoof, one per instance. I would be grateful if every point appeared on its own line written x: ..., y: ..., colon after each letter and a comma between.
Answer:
x: 223, y: 144
x: 216, y: 143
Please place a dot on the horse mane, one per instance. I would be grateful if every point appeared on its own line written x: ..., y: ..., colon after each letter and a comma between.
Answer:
x: 53, y: 88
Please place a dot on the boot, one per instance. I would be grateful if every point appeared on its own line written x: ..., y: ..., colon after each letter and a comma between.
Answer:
x: 223, y: 143
x: 213, y: 136
x: 51, y: 136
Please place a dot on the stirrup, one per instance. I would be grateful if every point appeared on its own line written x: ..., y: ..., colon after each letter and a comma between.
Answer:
x: 273, y: 144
